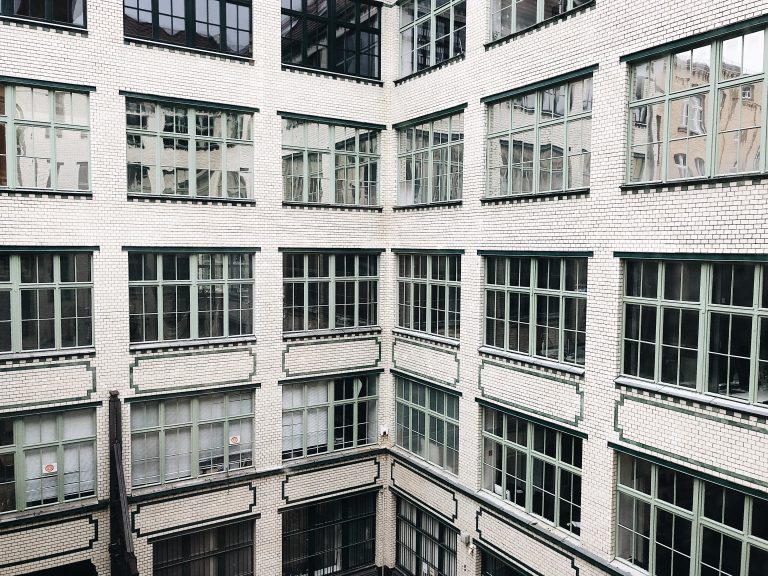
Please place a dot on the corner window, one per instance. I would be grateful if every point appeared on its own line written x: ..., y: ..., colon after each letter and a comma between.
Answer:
x: 431, y: 31
x: 425, y: 545
x: 69, y: 12
x: 510, y: 16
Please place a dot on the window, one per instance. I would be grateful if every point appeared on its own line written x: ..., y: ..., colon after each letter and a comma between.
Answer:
x: 533, y: 466
x: 431, y: 31
x: 550, y: 292
x: 330, y: 536
x: 328, y: 291
x: 189, y: 296
x: 671, y: 523
x: 213, y: 25
x: 694, y: 324
x: 222, y: 550
x: 188, y: 437
x: 492, y: 565
x: 347, y: 407
x: 428, y: 423
x: 47, y: 458
x: 44, y: 139
x: 698, y: 103
x: 429, y: 293
x: 510, y: 16
x: 181, y: 151
x: 425, y: 545
x: 431, y: 161
x: 540, y: 142
x: 70, y: 12
x: 45, y: 301
x: 341, y: 36
x: 330, y: 164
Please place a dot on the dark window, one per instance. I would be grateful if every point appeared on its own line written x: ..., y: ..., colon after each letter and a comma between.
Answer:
x: 216, y: 25
x: 330, y: 537
x: 70, y: 12
x: 425, y: 545
x: 342, y: 36
x: 494, y: 566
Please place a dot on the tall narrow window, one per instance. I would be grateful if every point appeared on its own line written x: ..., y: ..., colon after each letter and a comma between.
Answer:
x: 67, y: 12
x: 425, y: 545
x: 431, y: 31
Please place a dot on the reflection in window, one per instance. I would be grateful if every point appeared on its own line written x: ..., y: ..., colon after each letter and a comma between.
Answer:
x: 510, y: 16
x: 431, y: 31
x: 71, y: 12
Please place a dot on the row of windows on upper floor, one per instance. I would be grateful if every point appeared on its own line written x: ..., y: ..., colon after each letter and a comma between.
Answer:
x: 693, y: 324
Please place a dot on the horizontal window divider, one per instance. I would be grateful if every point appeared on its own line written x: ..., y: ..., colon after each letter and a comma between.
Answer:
x: 338, y: 75
x: 319, y: 206
x: 426, y: 206
x: 194, y: 392
x: 330, y: 376
x: 39, y: 23
x: 754, y: 178
x: 37, y: 354
x: 193, y: 249
x: 426, y: 336
x: 538, y: 253
x: 530, y: 418
x: 426, y: 382
x: 328, y: 332
x: 334, y: 121
x: 511, y: 198
x: 180, y: 48
x: 48, y: 409
x: 353, y: 491
x: 562, y: 78
x: 46, y: 84
x: 431, y: 116
x: 52, y: 515
x: 692, y: 256
x: 289, y: 250
x: 425, y: 71
x: 687, y: 470
x: 703, y: 38
x: 172, y: 198
x: 191, y: 103
x: 190, y: 343
x: 194, y: 529
x: 534, y: 360
x: 427, y: 251
x: 46, y: 249
x: 87, y: 194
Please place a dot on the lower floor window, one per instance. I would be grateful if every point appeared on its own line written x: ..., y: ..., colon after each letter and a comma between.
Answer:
x: 425, y: 545
x: 492, y: 565
x: 223, y: 550
x: 330, y: 536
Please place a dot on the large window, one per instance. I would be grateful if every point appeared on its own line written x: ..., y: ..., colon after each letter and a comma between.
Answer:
x: 698, y: 325
x: 44, y: 139
x: 428, y: 423
x: 329, y: 537
x: 492, y: 565
x: 189, y: 296
x: 533, y: 466
x: 184, y: 151
x: 327, y: 291
x: 341, y: 36
x: 425, y: 545
x: 668, y: 522
x: 537, y: 306
x: 215, y: 25
x: 68, y: 12
x: 431, y: 31
x: 189, y: 437
x: 540, y: 142
x: 47, y: 458
x: 698, y: 112
x: 45, y: 301
x: 214, y: 552
x: 510, y: 16
x: 431, y: 161
x: 329, y: 415
x: 330, y: 164
x: 429, y: 293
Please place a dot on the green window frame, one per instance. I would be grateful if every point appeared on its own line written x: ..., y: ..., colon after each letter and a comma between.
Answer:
x: 540, y: 142
x: 431, y: 32
x: 325, y: 163
x: 534, y: 467
x: 329, y: 291
x: 537, y: 306
x: 186, y: 296
x: 44, y: 139
x: 510, y: 16
x: 697, y: 325
x: 46, y: 302
x: 429, y: 293
x: 47, y: 458
x: 60, y: 12
x: 689, y: 118
x: 329, y: 415
x: 427, y: 421
x: 425, y: 544
x: 430, y: 161
x: 183, y: 151
x: 669, y: 522
x: 190, y: 437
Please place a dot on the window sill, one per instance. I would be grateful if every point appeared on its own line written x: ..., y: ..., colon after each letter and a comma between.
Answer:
x: 52, y: 511
x: 339, y: 207
x: 542, y: 196
x: 335, y: 75
x: 329, y: 457
x: 692, y: 396
x: 190, y: 344
x: 425, y: 336
x: 150, y: 491
x: 425, y: 71
x: 44, y: 24
x: 38, y: 193
x: 329, y: 333
x: 428, y: 206
x: 177, y: 48
x: 417, y: 460
x: 173, y: 199
x: 754, y: 178
x: 533, y: 360
x: 539, y: 25
x: 627, y: 569
x: 48, y: 354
